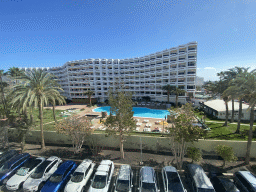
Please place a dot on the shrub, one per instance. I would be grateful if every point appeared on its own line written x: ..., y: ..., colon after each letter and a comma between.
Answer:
x: 194, y: 154
x: 82, y: 109
x: 226, y: 153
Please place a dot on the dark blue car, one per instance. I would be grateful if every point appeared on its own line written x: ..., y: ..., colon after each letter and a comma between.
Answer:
x: 7, y: 155
x: 60, y: 177
x: 9, y: 167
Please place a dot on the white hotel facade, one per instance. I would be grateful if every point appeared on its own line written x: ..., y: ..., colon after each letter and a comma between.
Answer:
x: 144, y: 76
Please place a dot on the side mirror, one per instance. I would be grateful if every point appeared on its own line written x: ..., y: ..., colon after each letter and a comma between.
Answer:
x: 185, y: 190
x: 158, y: 190
x: 114, y: 184
x: 131, y: 185
x: 91, y: 180
x: 138, y: 188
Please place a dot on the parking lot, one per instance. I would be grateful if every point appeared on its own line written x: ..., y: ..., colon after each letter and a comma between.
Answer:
x: 135, y: 180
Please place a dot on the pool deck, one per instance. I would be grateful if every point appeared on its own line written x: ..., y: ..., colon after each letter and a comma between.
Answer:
x: 141, y: 124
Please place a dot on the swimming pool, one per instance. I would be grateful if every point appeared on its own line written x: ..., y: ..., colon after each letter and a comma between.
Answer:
x: 140, y: 112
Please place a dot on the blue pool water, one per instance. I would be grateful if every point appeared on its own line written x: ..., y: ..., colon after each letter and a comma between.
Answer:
x: 140, y: 112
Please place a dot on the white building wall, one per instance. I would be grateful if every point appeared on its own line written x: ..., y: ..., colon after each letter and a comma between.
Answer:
x: 144, y: 76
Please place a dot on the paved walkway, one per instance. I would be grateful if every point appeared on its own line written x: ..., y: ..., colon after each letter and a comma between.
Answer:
x: 228, y: 123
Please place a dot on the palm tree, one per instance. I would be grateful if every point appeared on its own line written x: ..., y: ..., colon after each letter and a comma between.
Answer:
x: 89, y: 94
x: 249, y: 87
x: 3, y: 85
x: 38, y: 88
x: 168, y: 88
x: 60, y: 100
x: 177, y: 91
x: 15, y: 72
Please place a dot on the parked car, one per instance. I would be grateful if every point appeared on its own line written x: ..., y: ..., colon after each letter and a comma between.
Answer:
x: 80, y: 177
x: 17, y: 180
x: 8, y: 169
x: 171, y: 180
x: 221, y: 183
x: 5, y: 156
x: 197, y: 178
x: 41, y: 174
x: 60, y: 177
x: 124, y: 179
x: 147, y: 180
x: 245, y: 181
x: 102, y: 177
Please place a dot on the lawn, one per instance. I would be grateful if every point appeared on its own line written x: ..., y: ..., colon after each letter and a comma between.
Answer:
x: 218, y: 132
x: 47, y: 116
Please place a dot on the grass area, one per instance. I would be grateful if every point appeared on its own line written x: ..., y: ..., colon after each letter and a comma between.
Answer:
x: 218, y: 132
x: 47, y: 116
x: 198, y: 114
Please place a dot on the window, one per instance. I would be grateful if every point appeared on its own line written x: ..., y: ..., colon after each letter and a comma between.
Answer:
x: 66, y: 172
x: 88, y: 169
x: 50, y: 167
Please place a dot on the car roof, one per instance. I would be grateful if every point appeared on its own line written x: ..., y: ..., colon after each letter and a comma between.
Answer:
x: 52, y: 158
x: 17, y: 157
x: 83, y: 166
x: 105, y: 162
x: 249, y: 176
x: 124, y: 172
x: 64, y: 167
x: 170, y: 169
x: 147, y: 174
x: 199, y: 176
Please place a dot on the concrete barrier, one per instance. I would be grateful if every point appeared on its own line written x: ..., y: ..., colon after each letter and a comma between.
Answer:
x: 157, y: 144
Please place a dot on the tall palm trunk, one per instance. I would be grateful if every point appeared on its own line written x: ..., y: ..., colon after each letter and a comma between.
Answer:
x: 90, y: 101
x: 176, y: 105
x: 168, y: 96
x: 233, y: 111
x: 239, y: 116
x: 41, y: 123
x: 226, y: 121
x: 249, y: 143
x: 53, y: 111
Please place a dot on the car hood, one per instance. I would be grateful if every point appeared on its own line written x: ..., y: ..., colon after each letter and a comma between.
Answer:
x: 70, y: 187
x: 49, y: 186
x: 97, y: 190
x: 31, y: 183
x: 16, y: 179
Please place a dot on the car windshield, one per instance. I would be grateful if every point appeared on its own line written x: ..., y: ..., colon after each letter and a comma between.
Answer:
x: 56, y: 178
x: 228, y: 185
x: 77, y: 177
x: 122, y: 185
x: 148, y: 187
x: 31, y: 163
x: 99, y: 181
x: 38, y: 173
x: 22, y: 171
x: 172, y: 177
x: 5, y: 167
x: 205, y: 190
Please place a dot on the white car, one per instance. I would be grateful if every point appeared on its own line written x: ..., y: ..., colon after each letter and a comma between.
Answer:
x: 17, y: 180
x: 37, y: 179
x: 102, y: 177
x: 80, y: 176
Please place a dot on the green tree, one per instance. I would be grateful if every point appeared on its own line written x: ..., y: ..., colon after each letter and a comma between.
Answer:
x: 89, y: 94
x: 78, y: 128
x: 35, y: 91
x: 177, y: 91
x: 15, y: 72
x: 120, y: 121
x: 168, y: 88
x: 249, y: 87
x: 194, y: 154
x: 226, y: 153
x: 229, y: 77
x: 182, y: 132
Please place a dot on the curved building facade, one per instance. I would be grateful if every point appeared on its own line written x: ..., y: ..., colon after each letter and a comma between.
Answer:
x: 144, y: 76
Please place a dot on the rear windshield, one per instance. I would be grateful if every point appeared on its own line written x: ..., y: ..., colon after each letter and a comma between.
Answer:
x: 148, y: 187
x: 31, y: 163
x: 38, y: 173
x: 173, y: 177
x: 56, y: 178
x: 122, y: 185
x: 5, y: 167
x: 77, y: 177
x: 99, y: 181
x: 228, y: 185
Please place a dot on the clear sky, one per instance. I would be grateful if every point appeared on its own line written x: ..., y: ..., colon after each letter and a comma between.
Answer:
x: 48, y: 33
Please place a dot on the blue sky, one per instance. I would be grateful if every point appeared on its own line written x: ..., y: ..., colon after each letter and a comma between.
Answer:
x: 36, y: 33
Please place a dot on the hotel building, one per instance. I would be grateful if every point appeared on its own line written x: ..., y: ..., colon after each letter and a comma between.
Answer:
x: 144, y: 76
